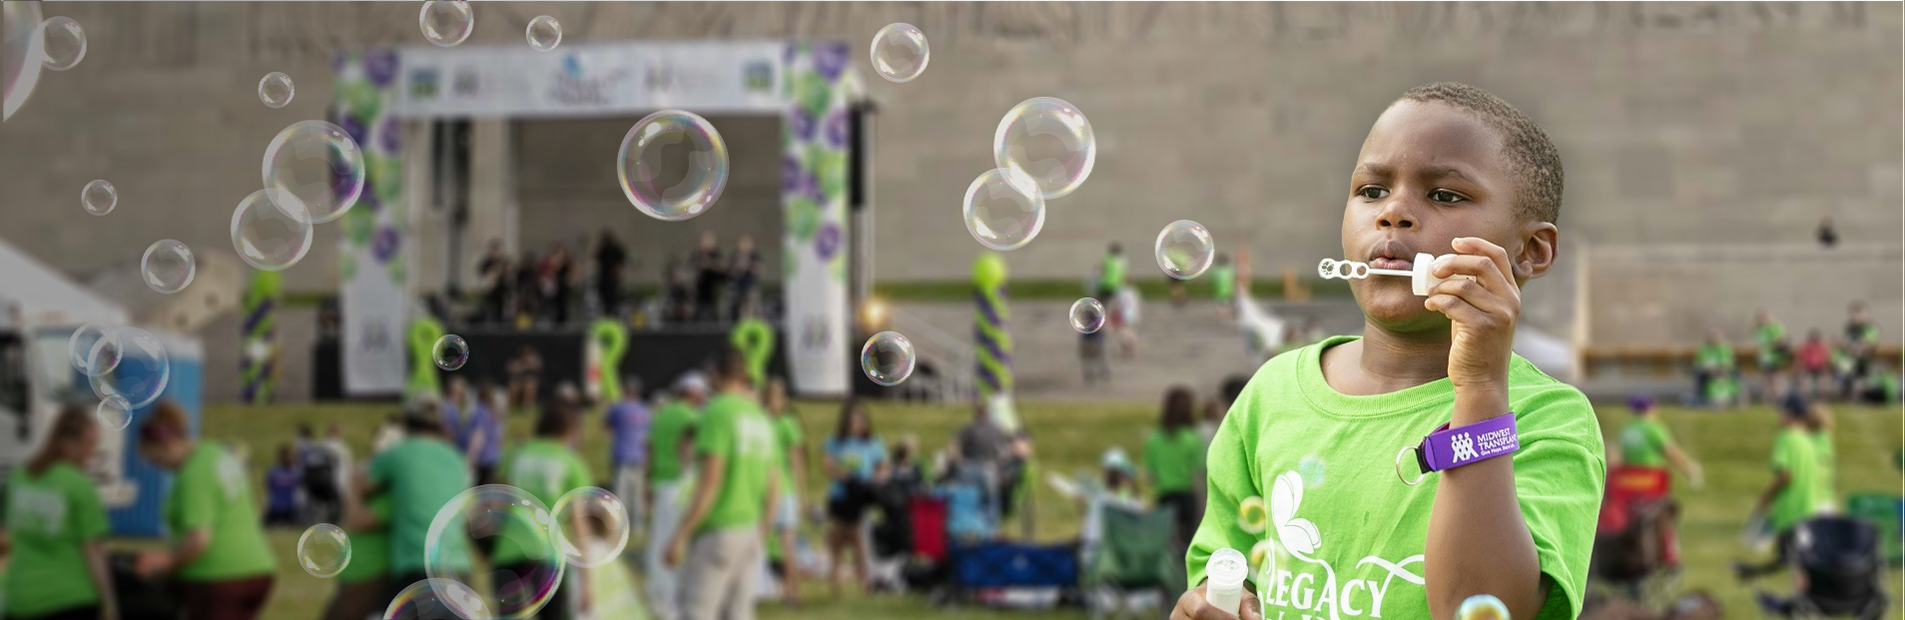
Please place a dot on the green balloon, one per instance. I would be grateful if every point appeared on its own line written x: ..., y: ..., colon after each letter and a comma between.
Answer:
x: 988, y: 272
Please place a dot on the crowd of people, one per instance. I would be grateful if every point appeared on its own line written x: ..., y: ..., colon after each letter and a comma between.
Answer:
x: 556, y: 288
x: 1843, y: 367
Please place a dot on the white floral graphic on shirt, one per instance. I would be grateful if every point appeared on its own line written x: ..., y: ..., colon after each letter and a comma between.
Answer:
x: 1300, y: 538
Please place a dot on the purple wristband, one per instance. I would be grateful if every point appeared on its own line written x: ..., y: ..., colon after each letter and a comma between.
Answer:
x: 1449, y: 448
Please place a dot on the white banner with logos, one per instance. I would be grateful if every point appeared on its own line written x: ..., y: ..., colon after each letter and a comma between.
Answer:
x: 374, y: 252
x: 587, y: 80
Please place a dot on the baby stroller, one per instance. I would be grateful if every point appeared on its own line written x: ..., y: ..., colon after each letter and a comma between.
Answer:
x: 1634, y: 545
x: 1838, y: 567
x: 140, y: 598
x: 1133, y: 555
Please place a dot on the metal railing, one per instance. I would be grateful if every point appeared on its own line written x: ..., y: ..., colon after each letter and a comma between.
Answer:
x: 954, y: 379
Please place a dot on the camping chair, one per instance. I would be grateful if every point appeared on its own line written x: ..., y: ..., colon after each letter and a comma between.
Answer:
x: 1629, y: 548
x: 1133, y: 554
x: 1885, y: 512
x: 1839, y: 567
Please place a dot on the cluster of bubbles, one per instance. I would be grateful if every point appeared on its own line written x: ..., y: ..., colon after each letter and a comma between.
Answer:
x: 887, y: 358
x: 98, y: 197
x: 672, y: 165
x: 32, y: 44
x: 521, y: 534
x: 1043, y: 149
x: 276, y: 90
x: 313, y: 173
x: 544, y: 33
x: 126, y: 367
x: 446, y: 24
x: 167, y: 266
x: 1088, y: 315
x: 899, y: 52
x: 1184, y: 249
x: 1003, y: 209
x: 450, y: 352
x: 324, y: 550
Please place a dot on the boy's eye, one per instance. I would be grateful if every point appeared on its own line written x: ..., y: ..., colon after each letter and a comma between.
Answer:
x: 1443, y: 195
x: 1372, y: 192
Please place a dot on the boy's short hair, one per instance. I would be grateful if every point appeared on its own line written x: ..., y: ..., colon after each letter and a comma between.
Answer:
x: 554, y: 421
x: 1795, y: 406
x: 1532, y: 158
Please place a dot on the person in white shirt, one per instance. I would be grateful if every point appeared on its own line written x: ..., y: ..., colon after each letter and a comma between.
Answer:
x: 1128, y: 306
x: 334, y: 441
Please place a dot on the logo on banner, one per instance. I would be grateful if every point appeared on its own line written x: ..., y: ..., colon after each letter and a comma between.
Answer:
x: 659, y: 76
x: 813, y: 333
x: 423, y: 84
x: 466, y: 84
x: 758, y: 77
x: 574, y: 85
x: 374, y: 337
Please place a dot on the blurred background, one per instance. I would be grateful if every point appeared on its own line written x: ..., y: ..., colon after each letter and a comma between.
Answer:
x: 1724, y: 161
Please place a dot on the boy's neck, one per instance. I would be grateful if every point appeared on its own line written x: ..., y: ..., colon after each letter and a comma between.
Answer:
x: 1386, y: 361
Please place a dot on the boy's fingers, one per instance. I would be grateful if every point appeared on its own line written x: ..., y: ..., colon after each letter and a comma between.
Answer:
x: 1484, y: 247
x: 1457, y: 310
x: 1484, y: 269
x: 1252, y: 610
x: 1487, y: 308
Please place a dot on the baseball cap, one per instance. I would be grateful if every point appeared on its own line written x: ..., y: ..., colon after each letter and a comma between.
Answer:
x: 1640, y: 402
x: 692, y: 382
x: 1115, y: 459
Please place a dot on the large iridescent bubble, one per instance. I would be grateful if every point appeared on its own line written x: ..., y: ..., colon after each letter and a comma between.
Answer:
x: 525, y: 563
x: 142, y: 372
x: 315, y: 165
x: 1048, y: 140
x: 22, y: 54
x: 672, y: 165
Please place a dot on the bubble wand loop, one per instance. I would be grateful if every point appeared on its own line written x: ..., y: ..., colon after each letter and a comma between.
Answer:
x: 1421, y: 280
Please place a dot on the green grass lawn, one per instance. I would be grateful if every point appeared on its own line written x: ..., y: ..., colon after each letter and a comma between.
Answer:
x: 1732, y: 446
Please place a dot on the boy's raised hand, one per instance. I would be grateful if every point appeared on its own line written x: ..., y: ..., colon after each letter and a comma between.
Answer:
x: 1192, y: 606
x: 1484, y: 312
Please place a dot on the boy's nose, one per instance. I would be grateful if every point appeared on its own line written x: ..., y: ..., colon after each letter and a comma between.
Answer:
x: 1397, y: 214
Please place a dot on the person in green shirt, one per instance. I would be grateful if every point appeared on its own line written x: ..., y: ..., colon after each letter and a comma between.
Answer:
x: 1792, y: 495
x: 363, y: 582
x: 419, y: 474
x: 732, y: 504
x: 218, y: 552
x: 1174, y: 461
x: 1713, y: 368
x: 1223, y: 282
x: 1316, y: 439
x: 1646, y: 442
x: 792, y: 443
x: 547, y: 467
x: 1111, y: 272
x: 58, y: 529
x: 1775, y: 354
x: 672, y: 422
x: 1819, y: 429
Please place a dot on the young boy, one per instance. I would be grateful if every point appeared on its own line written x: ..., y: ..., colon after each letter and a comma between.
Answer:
x: 1793, y: 494
x: 1645, y: 442
x: 1447, y: 168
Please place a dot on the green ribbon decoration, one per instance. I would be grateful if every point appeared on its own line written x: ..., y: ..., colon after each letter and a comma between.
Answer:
x: 756, y: 341
x: 424, y: 333
x: 613, y: 338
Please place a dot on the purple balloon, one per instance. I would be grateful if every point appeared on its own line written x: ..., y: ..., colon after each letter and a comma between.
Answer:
x: 369, y: 200
x: 830, y: 59
x: 827, y: 243
x: 384, y: 244
x: 787, y: 54
x: 837, y: 129
x: 392, y: 136
x: 355, y: 129
x: 803, y: 124
x: 337, y: 62
x: 381, y: 67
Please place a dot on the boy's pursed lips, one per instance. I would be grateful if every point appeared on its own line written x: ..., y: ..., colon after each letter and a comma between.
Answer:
x: 1392, y: 254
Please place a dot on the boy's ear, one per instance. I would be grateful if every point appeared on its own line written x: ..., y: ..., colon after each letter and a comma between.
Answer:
x: 1540, y: 246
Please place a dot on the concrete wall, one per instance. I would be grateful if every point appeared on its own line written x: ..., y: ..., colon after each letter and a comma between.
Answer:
x: 1680, y: 123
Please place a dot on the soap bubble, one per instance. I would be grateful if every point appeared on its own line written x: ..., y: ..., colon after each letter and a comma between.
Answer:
x: 899, y: 52
x: 594, y: 526
x: 1003, y: 209
x: 98, y: 197
x: 437, y: 599
x: 114, y: 413
x: 167, y: 266
x: 20, y: 61
x: 451, y: 352
x: 673, y: 165
x: 324, y: 550
x: 276, y: 90
x: 1184, y: 249
x: 887, y: 358
x: 268, y: 235
x: 1049, y: 141
x: 1252, y: 516
x: 1482, y: 607
x: 1087, y: 315
x: 316, y: 165
x: 93, y: 349
x: 544, y: 33
x: 446, y: 24
x: 63, y: 43
x: 142, y: 371
x: 525, y: 565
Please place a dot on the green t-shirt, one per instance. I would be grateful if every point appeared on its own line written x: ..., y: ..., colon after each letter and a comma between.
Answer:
x: 664, y: 436
x: 212, y: 492
x: 51, y: 518
x: 1223, y: 282
x: 735, y: 429
x: 370, y: 549
x: 1716, y: 356
x: 546, y: 469
x: 1345, y: 537
x: 1174, y: 460
x: 420, y: 475
x: 788, y: 434
x: 1111, y: 272
x: 1644, y: 443
x: 1824, y: 494
x: 1767, y: 337
x: 1794, y: 454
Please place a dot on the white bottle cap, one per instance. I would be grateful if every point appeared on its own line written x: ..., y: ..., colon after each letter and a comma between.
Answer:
x: 1423, y: 281
x: 1224, y: 575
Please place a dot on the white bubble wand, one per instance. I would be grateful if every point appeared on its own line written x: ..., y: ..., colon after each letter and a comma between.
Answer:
x: 1421, y: 280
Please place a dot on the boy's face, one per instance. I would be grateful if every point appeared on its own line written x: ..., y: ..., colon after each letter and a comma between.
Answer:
x: 1427, y: 174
